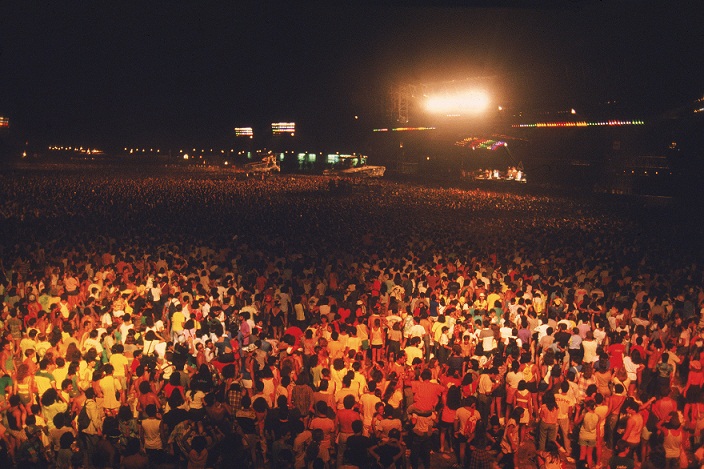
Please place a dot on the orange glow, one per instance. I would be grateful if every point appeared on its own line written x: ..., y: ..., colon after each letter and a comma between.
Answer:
x: 462, y: 103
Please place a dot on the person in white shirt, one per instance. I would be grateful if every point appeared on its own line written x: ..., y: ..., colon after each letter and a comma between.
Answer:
x: 506, y: 331
x: 368, y: 402
x: 416, y: 330
x: 413, y: 350
x: 93, y: 342
x: 125, y: 327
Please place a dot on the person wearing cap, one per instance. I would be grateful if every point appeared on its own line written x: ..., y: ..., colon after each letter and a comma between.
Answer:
x: 480, y: 304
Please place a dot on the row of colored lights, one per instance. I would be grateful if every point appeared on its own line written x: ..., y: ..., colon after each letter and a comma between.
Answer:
x: 404, y: 129
x: 4, y: 122
x: 579, y: 124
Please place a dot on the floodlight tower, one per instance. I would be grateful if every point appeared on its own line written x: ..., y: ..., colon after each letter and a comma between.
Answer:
x: 401, y: 97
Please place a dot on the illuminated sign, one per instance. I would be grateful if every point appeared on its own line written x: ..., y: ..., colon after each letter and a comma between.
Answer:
x: 280, y: 128
x: 244, y: 132
x: 4, y: 122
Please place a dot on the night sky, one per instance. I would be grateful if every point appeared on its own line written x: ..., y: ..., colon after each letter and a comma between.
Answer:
x: 180, y: 73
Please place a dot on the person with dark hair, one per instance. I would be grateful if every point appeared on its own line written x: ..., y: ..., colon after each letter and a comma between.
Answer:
x: 467, y: 419
x: 246, y: 423
x: 566, y: 405
x: 622, y: 458
x: 547, y: 427
x: 146, y: 397
x: 344, y: 419
x: 588, y: 432
x: 177, y: 413
x: 321, y: 421
x: 16, y: 418
x: 485, y: 389
x: 132, y: 458
x: 421, y: 433
x: 61, y: 425
x: 52, y: 405
x: 194, y: 401
x: 151, y: 429
x: 174, y: 382
x: 357, y: 446
x: 550, y: 458
x: 426, y: 394
x: 302, y: 393
x: 634, y: 426
x: 390, y: 453
x: 120, y: 364
x: 511, y: 440
x: 31, y: 452
x: 281, y: 447
x: 90, y: 436
x: 452, y: 400
x: 128, y: 425
x: 64, y: 451
x: 112, y: 392
x: 43, y: 379
x: 479, y: 457
x: 198, y: 456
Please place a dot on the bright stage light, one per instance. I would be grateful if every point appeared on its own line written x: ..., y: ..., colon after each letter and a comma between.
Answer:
x: 462, y: 103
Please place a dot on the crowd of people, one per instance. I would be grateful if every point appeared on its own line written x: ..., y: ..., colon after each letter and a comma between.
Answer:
x: 197, y: 321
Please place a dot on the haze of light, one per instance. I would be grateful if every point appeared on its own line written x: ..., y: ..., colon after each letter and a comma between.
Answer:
x: 468, y: 102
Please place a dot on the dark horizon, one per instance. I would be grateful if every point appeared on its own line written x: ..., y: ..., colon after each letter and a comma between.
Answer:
x: 185, y: 74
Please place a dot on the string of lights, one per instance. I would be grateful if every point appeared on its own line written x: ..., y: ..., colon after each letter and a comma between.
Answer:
x: 609, y: 123
x: 404, y: 129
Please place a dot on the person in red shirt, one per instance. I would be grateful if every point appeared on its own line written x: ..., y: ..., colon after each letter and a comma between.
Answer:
x: 296, y: 332
x: 695, y: 380
x: 638, y: 347
x: 343, y: 423
x: 426, y: 395
x: 616, y: 351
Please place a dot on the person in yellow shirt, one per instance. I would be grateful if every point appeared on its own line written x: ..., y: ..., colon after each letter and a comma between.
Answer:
x: 120, y: 364
x: 492, y: 298
x: 177, y: 321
